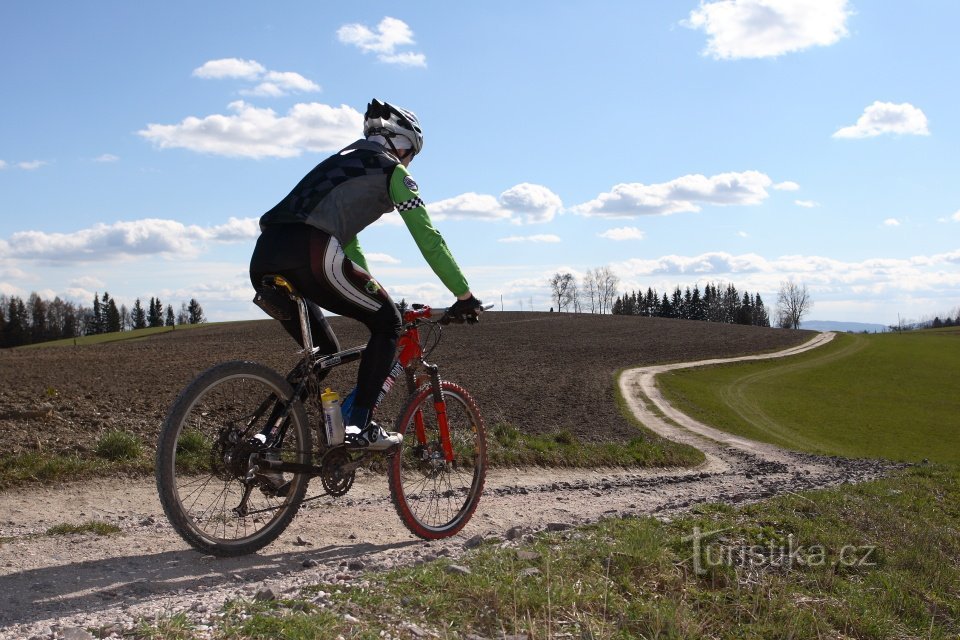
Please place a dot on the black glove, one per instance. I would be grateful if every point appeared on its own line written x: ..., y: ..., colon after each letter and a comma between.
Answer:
x: 468, y: 310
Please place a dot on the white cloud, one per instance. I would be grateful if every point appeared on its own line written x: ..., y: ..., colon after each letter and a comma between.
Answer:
x: 31, y: 165
x: 106, y: 157
x: 3, y: 165
x: 280, y: 83
x: 807, y: 204
x: 687, y: 193
x: 260, y: 133
x: 622, y: 233
x: 390, y: 34
x: 87, y: 282
x: 125, y: 239
x: 768, y: 28
x: 536, y: 202
x: 956, y: 216
x: 887, y: 117
x: 891, y: 222
x: 787, y: 185
x: 272, y: 84
x: 530, y: 202
x: 405, y: 59
x: 230, y: 68
x: 381, y: 258
x: 469, y: 206
x: 536, y: 238
x: 743, y: 234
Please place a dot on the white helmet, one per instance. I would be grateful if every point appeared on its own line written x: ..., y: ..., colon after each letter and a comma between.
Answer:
x: 387, y: 120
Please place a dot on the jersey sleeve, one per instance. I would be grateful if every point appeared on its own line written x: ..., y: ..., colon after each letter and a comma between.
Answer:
x: 355, y: 254
x: 406, y: 197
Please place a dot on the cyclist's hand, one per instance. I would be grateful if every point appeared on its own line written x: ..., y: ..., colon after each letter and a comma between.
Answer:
x: 468, y: 310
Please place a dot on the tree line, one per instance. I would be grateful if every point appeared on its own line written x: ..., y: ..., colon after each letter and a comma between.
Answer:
x: 39, y: 320
x: 595, y: 294
x: 716, y: 303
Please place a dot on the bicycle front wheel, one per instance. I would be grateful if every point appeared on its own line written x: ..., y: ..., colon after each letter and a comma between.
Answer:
x: 206, y: 452
x: 435, y: 497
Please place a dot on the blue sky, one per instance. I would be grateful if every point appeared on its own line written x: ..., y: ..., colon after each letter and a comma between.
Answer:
x: 743, y: 141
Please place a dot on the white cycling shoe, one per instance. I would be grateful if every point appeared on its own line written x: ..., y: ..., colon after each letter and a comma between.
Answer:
x: 373, y: 438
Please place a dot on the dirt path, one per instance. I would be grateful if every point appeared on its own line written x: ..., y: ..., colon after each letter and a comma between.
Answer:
x: 55, y: 584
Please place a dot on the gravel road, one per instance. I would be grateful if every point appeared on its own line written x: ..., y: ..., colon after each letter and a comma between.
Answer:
x: 55, y: 586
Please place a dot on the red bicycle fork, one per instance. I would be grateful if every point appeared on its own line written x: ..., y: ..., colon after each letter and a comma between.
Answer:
x: 410, y: 352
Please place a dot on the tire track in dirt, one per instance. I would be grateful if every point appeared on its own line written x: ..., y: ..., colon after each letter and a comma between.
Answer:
x: 50, y: 584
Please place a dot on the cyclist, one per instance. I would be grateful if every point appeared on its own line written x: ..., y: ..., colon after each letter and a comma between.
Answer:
x: 310, y: 238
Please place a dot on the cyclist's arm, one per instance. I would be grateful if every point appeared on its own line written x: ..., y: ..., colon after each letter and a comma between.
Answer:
x: 355, y: 254
x: 406, y: 197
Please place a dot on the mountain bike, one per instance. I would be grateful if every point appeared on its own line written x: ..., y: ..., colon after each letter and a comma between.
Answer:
x: 238, y: 423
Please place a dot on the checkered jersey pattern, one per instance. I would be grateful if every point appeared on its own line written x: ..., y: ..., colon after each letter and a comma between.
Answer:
x: 409, y: 205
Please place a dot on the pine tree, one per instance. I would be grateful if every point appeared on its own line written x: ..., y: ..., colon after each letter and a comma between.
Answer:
x: 617, y: 307
x: 111, y: 316
x: 37, y: 309
x: 760, y: 316
x: 155, y: 313
x: 96, y: 321
x: 171, y: 320
x: 138, y: 315
x: 3, y: 323
x: 196, y: 312
x: 666, y: 310
x: 183, y: 316
x: 17, y: 323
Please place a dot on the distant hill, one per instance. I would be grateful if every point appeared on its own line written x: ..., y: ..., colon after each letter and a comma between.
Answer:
x: 833, y: 325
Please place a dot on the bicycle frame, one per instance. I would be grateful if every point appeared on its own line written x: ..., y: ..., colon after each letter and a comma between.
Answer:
x: 410, y: 357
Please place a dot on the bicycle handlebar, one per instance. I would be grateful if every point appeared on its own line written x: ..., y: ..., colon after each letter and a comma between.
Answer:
x: 426, y: 313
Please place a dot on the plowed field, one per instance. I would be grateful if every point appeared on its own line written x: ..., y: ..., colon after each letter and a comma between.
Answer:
x: 539, y: 372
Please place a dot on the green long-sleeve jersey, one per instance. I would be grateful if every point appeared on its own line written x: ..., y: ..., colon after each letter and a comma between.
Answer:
x: 405, y: 195
x: 350, y: 190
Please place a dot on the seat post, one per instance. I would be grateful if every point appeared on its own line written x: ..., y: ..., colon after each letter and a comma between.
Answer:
x: 305, y: 325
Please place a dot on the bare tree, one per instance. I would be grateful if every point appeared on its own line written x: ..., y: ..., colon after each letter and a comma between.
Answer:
x: 607, y: 283
x: 561, y: 287
x: 576, y: 297
x: 591, y: 290
x: 793, y: 302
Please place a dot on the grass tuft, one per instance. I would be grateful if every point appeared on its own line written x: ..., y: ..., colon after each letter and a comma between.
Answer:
x: 97, y: 527
x: 117, y: 446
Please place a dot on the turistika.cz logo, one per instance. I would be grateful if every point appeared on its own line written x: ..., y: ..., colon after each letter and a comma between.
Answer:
x: 707, y: 553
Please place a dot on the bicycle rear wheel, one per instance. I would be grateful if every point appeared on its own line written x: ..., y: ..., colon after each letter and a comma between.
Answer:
x: 206, y: 449
x: 434, y: 497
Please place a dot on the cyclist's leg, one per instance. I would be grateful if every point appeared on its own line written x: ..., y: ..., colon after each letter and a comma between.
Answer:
x: 285, y: 250
x: 344, y: 288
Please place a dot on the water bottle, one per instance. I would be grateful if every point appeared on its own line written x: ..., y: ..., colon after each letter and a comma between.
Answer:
x: 332, y: 418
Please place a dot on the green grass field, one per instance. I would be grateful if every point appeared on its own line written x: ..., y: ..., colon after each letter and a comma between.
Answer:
x: 103, y: 338
x: 883, y: 395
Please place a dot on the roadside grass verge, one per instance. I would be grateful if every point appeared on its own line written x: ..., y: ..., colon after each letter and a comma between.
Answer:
x: 875, y: 560
x: 508, y: 446
x: 884, y: 395
x: 116, y: 452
